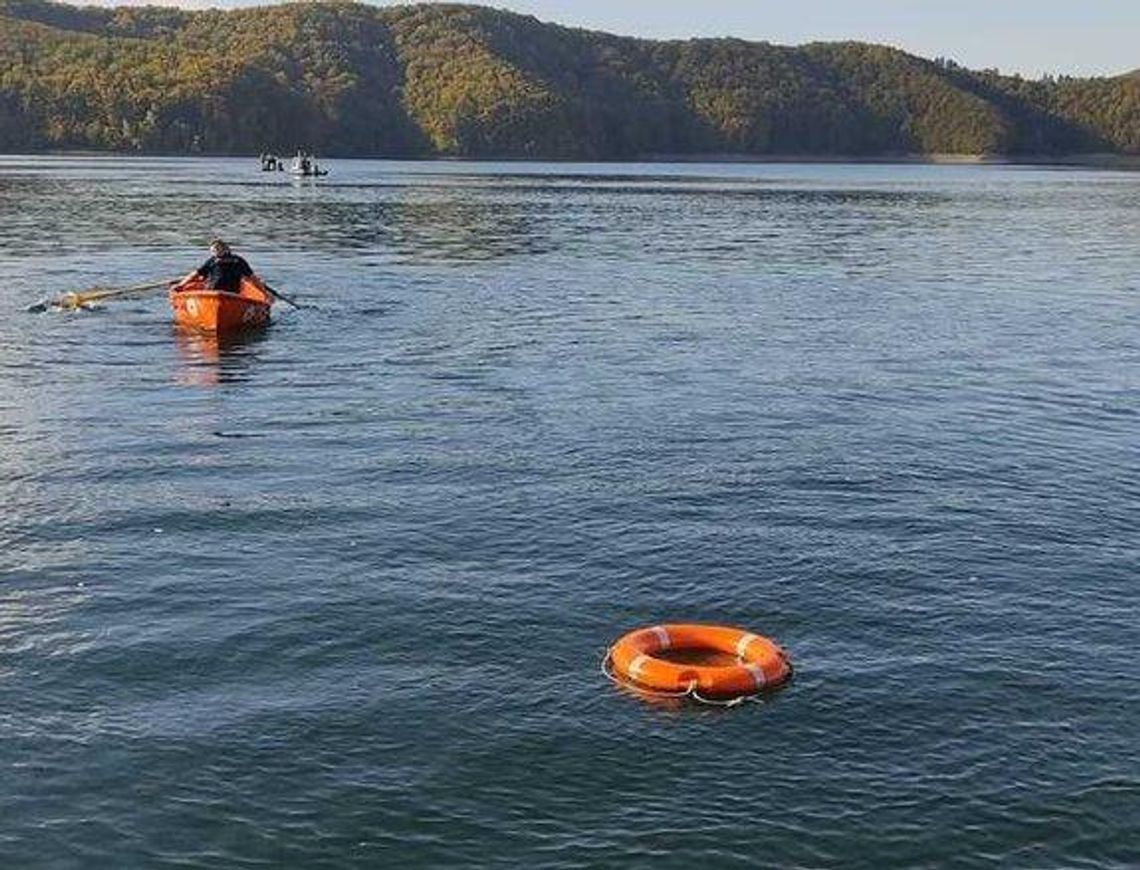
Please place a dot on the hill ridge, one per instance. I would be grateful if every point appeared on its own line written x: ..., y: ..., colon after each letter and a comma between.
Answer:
x: 467, y: 80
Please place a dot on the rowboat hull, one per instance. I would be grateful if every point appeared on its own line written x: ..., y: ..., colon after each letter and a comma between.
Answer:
x: 214, y: 311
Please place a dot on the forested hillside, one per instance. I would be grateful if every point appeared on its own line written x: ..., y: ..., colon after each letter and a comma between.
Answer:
x: 442, y: 79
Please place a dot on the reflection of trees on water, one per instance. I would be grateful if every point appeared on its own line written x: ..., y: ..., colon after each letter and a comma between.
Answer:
x: 437, y: 218
x: 484, y: 218
x: 415, y: 223
x: 419, y: 226
x: 498, y: 218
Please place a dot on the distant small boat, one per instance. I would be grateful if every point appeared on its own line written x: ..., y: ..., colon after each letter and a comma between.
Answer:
x: 306, y: 167
x: 215, y: 311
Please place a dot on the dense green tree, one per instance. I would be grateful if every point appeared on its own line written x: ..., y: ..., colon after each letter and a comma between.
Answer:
x: 448, y: 79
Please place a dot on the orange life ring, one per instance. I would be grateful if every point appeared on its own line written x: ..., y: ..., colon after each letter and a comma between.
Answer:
x: 749, y: 663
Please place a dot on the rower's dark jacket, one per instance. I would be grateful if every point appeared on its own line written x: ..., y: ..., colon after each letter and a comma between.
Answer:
x: 225, y: 272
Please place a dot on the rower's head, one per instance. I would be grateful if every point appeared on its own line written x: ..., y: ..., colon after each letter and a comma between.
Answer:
x: 219, y: 248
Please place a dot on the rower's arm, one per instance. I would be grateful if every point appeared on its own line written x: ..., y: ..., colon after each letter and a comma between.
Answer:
x: 184, y: 281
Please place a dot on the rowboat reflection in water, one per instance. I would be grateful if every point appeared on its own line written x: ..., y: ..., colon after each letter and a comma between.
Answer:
x: 208, y: 359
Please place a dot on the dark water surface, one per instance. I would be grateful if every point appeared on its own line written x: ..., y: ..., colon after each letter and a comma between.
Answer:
x: 336, y: 596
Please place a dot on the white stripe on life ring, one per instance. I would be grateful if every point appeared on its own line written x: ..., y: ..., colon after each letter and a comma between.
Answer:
x: 742, y: 644
x: 757, y: 674
x: 636, y: 665
x: 663, y: 636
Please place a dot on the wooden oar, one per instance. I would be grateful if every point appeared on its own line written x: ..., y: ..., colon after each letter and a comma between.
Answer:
x: 71, y: 301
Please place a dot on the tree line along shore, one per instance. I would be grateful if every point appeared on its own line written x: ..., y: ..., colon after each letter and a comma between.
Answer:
x: 435, y: 80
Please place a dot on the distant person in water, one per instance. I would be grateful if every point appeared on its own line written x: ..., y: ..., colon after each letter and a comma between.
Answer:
x: 223, y: 271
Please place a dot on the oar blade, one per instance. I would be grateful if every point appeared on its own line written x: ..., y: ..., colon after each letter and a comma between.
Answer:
x: 288, y: 300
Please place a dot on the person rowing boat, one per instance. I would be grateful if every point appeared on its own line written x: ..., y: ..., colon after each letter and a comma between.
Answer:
x: 222, y: 271
x: 224, y: 276
x: 221, y: 296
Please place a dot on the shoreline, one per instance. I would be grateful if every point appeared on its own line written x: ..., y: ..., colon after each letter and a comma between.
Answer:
x: 1093, y: 161
x: 1084, y: 161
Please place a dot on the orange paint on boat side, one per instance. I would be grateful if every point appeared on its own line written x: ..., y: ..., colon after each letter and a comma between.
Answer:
x: 197, y: 307
x: 640, y: 658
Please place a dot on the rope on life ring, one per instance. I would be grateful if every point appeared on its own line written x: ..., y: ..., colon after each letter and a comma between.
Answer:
x: 607, y: 669
x: 690, y: 693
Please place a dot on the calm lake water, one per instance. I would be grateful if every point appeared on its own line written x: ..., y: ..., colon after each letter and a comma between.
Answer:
x: 336, y: 596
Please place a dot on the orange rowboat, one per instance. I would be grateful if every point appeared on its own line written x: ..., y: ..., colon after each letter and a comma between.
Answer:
x: 197, y: 307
